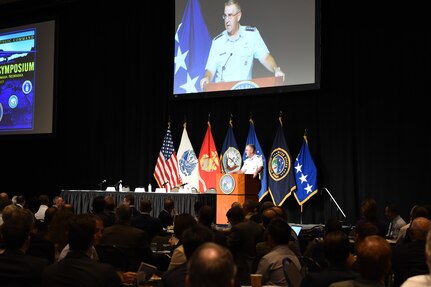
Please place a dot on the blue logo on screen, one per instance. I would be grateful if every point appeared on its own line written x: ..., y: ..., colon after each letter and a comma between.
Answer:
x: 27, y: 86
x: 13, y: 101
x: 245, y: 85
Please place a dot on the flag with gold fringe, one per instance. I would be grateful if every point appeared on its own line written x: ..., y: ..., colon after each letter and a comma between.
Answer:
x: 230, y: 157
x: 305, y: 174
x: 209, y: 162
x: 280, y: 168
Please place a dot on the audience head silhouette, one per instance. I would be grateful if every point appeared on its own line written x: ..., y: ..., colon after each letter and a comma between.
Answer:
x: 211, y: 265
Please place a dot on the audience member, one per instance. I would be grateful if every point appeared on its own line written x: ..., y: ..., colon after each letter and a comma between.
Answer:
x: 98, y: 208
x: 58, y: 230
x: 360, y: 233
x: 416, y: 211
x: 392, y: 214
x: 44, y: 202
x: 315, y: 248
x: 374, y: 263
x: 129, y: 200
x: 211, y: 265
x: 168, y: 212
x: 182, y: 222
x: 192, y: 238
x: 241, y: 241
x: 146, y: 221
x: 16, y: 267
x: 271, y: 265
x: 109, y: 210
x: 423, y: 280
x: 58, y: 202
x: 369, y: 214
x: 77, y: 269
x: 206, y: 218
x: 336, y: 249
x: 91, y: 252
x: 20, y: 201
x: 409, y: 257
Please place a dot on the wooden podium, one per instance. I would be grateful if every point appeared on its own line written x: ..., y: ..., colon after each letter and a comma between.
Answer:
x: 247, y: 84
x: 234, y: 188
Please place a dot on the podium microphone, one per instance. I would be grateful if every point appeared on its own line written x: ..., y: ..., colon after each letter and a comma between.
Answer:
x: 101, y: 184
x: 165, y: 183
x: 182, y: 185
x: 224, y: 67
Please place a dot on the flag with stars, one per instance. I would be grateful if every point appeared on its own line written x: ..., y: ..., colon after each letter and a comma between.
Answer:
x: 192, y: 46
x: 166, y: 170
x: 252, y: 139
x: 280, y: 169
x: 305, y: 174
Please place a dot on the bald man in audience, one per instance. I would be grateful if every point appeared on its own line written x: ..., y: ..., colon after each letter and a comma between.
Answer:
x: 409, y: 257
x: 425, y: 279
x: 374, y: 263
x: 211, y: 265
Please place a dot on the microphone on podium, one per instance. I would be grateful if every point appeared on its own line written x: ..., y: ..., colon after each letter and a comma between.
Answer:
x: 101, y: 184
x: 224, y: 67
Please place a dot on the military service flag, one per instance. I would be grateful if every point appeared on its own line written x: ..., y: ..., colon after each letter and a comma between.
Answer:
x: 188, y: 163
x: 230, y: 156
x: 209, y: 162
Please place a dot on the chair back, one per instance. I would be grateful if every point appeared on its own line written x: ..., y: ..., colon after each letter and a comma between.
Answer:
x: 122, y: 258
x: 309, y: 265
x: 291, y: 273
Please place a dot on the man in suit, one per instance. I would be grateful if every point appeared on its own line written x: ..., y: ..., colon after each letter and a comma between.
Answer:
x: 77, y: 268
x: 241, y: 241
x: 129, y: 200
x: 16, y: 267
x: 132, y: 239
x: 146, y: 221
x: 167, y: 214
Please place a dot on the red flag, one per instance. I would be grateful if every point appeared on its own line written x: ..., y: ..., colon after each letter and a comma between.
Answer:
x: 166, y: 170
x: 209, y: 162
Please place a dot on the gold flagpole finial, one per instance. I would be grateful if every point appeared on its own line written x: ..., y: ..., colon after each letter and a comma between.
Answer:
x: 280, y: 118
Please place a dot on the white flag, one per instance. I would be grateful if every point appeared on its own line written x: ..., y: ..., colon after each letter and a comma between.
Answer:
x: 188, y: 163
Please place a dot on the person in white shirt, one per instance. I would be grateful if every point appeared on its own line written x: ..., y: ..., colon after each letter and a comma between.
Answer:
x: 253, y: 164
x: 395, y: 221
x: 44, y: 201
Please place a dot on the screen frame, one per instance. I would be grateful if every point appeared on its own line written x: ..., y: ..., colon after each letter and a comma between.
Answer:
x: 316, y: 85
x: 38, y: 131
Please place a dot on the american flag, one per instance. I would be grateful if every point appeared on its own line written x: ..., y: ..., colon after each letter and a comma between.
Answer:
x: 192, y: 45
x: 166, y: 171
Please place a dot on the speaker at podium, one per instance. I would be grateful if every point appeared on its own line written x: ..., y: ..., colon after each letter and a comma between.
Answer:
x: 234, y: 188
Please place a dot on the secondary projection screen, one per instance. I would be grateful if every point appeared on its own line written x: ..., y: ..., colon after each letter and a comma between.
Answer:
x: 205, y: 39
x: 27, y: 56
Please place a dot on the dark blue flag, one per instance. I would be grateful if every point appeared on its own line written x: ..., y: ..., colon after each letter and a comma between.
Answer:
x: 230, y: 156
x: 280, y: 169
x: 192, y: 45
x: 252, y: 139
x: 306, y: 174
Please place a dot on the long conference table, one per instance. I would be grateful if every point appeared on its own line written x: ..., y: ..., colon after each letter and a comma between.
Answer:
x: 82, y: 200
